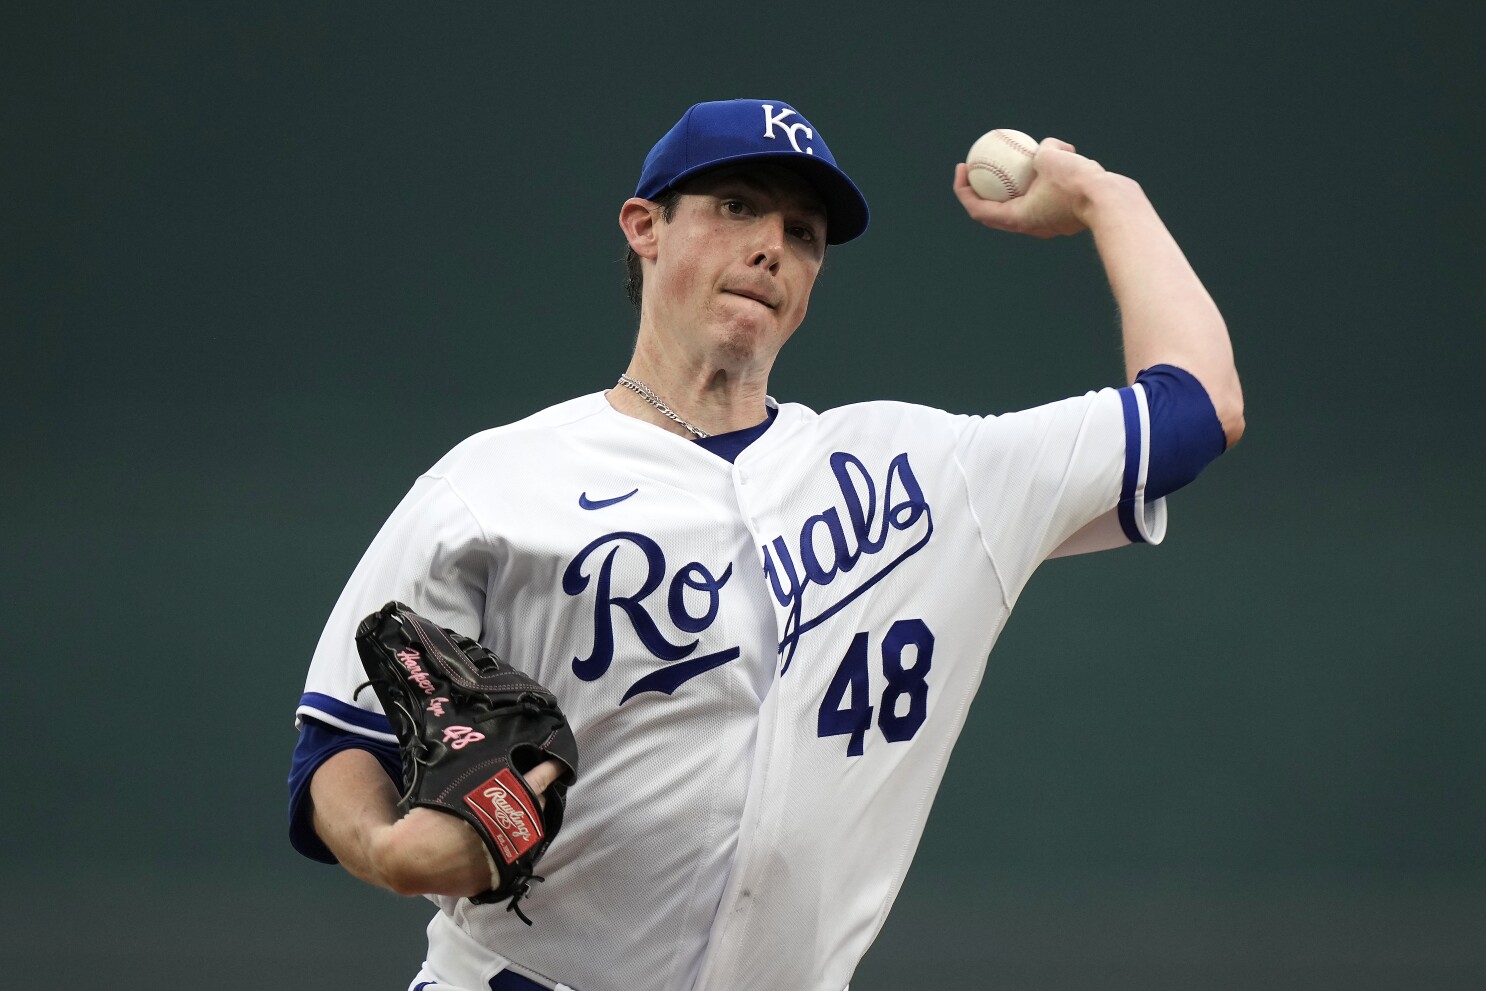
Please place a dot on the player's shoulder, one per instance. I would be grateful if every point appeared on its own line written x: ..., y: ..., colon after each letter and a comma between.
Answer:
x: 860, y: 426
x: 874, y: 415
x: 534, y: 431
x: 569, y: 413
x: 895, y: 422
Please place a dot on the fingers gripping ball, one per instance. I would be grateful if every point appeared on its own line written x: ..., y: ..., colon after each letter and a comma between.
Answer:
x: 1000, y: 164
x: 470, y: 726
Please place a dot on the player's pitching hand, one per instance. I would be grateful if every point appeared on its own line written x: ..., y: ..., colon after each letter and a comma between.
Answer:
x: 1055, y: 203
x: 542, y: 777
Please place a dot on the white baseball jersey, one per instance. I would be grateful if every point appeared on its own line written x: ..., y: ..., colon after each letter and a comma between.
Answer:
x: 766, y: 663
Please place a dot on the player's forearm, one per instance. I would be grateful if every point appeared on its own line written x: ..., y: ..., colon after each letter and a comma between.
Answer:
x: 1166, y: 314
x: 357, y: 818
x: 353, y: 801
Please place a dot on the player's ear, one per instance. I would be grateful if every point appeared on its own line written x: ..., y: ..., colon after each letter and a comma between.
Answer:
x: 638, y: 219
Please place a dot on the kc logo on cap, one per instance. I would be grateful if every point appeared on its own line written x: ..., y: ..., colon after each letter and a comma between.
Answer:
x: 771, y: 118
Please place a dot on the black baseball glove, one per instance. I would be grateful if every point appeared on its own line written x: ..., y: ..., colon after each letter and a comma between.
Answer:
x: 470, y: 726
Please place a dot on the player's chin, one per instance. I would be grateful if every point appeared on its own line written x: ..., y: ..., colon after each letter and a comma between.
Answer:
x: 746, y: 321
x: 740, y: 344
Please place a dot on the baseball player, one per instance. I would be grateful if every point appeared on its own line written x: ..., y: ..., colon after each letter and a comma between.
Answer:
x: 765, y: 624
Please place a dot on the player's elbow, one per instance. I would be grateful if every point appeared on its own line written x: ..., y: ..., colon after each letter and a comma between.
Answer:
x: 1226, y: 396
x: 1233, y: 424
x: 1230, y: 410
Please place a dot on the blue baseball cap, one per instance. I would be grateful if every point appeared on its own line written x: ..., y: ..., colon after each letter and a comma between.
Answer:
x: 711, y: 135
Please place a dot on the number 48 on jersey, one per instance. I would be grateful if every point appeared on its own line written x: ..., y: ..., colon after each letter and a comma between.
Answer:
x: 906, y: 654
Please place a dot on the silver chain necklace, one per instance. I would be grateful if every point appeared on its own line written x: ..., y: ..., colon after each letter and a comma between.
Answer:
x: 643, y: 391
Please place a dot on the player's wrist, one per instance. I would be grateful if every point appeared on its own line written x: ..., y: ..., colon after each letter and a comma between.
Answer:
x: 1108, y: 197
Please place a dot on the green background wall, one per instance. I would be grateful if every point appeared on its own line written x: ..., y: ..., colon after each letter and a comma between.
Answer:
x: 265, y: 262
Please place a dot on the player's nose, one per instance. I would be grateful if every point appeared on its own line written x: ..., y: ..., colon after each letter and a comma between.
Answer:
x: 768, y: 245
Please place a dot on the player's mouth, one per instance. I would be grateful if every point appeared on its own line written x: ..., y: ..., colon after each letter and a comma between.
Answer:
x: 757, y: 297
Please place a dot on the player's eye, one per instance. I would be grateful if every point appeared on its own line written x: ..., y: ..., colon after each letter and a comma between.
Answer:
x: 804, y: 232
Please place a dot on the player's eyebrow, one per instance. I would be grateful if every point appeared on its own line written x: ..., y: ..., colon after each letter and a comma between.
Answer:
x: 803, y: 204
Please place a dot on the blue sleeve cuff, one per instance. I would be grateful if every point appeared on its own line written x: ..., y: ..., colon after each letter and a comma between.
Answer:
x: 317, y: 743
x: 1185, y: 433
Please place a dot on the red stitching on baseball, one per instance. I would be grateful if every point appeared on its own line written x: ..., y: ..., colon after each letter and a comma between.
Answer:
x: 999, y: 173
x: 1001, y: 135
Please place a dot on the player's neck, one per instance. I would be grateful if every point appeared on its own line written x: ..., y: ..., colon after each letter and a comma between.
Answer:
x: 706, y: 396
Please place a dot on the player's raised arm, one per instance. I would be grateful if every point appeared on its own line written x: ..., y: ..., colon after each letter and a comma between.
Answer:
x: 1166, y: 314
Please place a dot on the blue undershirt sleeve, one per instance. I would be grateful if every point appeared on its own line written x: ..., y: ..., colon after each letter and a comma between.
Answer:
x: 1185, y: 433
x: 317, y: 744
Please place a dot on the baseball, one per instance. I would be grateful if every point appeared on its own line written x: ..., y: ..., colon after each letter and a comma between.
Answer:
x: 1000, y: 164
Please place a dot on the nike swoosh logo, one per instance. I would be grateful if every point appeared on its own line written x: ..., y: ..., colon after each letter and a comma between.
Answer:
x: 587, y: 503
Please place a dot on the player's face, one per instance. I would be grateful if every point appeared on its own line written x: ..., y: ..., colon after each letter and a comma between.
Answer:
x: 738, y: 259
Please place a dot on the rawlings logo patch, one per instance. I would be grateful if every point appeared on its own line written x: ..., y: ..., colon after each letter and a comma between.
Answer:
x: 502, y: 805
